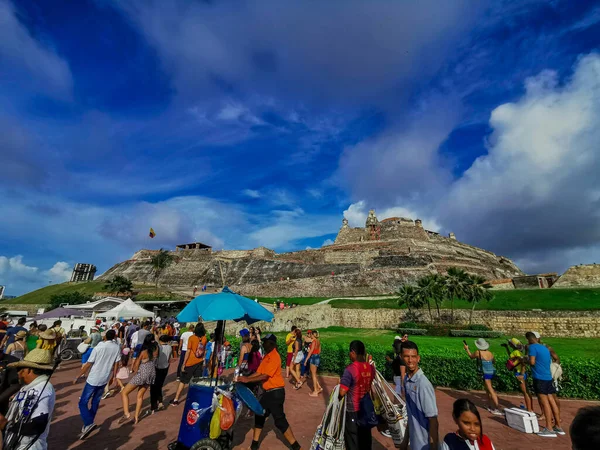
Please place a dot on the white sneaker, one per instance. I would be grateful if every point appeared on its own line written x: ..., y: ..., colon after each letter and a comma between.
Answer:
x: 544, y: 432
x: 87, y: 430
x: 386, y: 433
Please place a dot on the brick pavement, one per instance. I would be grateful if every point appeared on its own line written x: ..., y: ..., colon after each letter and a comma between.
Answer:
x: 304, y: 414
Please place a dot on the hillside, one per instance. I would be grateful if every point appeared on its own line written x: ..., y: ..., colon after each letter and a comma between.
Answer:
x: 42, y: 296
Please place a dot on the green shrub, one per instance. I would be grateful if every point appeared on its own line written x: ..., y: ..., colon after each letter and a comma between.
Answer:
x: 478, y: 327
x: 412, y: 331
x: 472, y: 333
x: 455, y: 370
x: 409, y: 325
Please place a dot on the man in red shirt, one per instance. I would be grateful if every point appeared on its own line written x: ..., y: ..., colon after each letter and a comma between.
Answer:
x: 269, y: 373
x: 355, y: 385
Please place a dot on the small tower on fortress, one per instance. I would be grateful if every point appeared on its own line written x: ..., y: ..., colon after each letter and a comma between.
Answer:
x: 373, y: 227
x: 344, y: 223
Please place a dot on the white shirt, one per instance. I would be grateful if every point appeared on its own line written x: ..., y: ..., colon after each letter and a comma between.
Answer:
x: 45, y: 406
x: 134, y: 339
x: 184, y: 340
x: 104, y: 356
x: 472, y: 446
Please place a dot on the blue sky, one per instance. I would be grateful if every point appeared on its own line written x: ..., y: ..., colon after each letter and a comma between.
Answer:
x: 243, y: 124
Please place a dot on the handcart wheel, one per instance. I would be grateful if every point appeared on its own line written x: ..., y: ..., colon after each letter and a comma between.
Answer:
x: 67, y: 354
x: 206, y: 444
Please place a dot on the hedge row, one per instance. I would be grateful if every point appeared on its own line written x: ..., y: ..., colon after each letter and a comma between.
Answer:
x: 455, y: 370
x: 474, y: 333
x: 413, y: 331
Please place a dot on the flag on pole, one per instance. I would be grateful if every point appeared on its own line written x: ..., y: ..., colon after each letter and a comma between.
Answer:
x: 152, y: 233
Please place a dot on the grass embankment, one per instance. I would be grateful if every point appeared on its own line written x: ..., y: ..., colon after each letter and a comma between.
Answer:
x: 510, y: 300
x: 42, y: 296
x: 575, y: 347
x: 290, y: 300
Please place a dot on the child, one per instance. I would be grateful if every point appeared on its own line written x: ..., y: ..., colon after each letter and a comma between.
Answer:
x: 469, y: 435
x: 122, y: 376
x: 515, y: 351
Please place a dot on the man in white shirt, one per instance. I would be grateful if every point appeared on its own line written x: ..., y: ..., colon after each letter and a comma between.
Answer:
x: 27, y: 421
x: 183, y: 342
x: 104, y: 363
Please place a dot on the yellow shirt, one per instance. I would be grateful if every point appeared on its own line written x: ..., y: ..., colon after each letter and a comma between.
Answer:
x: 516, y: 354
x: 288, y: 338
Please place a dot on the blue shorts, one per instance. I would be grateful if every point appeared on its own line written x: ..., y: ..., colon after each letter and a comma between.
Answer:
x: 518, y: 374
x: 315, y: 360
x: 137, y: 350
x: 488, y: 376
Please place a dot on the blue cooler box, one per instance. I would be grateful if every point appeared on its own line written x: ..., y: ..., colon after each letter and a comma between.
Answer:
x: 195, y: 423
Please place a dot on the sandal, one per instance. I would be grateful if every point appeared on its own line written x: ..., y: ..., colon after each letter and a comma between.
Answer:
x: 124, y: 419
x: 299, y: 385
x: 312, y: 394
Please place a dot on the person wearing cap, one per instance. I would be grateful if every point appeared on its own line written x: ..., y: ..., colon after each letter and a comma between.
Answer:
x: 269, y: 374
x: 27, y: 421
x: 486, y: 362
x: 103, y: 364
x: 515, y: 363
x: 398, y: 365
x: 245, y: 349
x: 11, y: 332
x: 540, y: 360
x: 18, y: 349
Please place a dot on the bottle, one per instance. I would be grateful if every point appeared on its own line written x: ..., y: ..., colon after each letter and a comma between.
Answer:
x: 236, y: 373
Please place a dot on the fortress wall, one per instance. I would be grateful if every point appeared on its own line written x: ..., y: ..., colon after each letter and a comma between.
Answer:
x: 587, y: 275
x: 548, y: 323
x: 402, y: 230
x: 233, y: 254
x: 349, y: 257
x: 351, y: 235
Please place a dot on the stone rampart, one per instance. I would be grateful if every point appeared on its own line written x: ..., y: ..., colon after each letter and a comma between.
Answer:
x: 586, y: 275
x: 517, y: 323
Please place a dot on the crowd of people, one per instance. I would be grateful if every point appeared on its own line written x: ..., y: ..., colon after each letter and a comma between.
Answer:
x: 128, y: 356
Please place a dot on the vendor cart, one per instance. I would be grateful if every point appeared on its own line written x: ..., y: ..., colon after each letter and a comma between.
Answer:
x: 201, y: 403
x: 69, y: 349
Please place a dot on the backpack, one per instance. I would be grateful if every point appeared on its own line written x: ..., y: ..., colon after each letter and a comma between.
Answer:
x: 200, y: 350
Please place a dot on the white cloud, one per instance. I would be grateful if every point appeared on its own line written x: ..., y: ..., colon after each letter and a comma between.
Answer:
x: 251, y: 193
x: 20, y: 277
x: 60, y: 272
x: 327, y: 242
x: 22, y: 52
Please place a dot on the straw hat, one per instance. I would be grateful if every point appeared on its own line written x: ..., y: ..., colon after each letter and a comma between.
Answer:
x: 482, y: 344
x: 35, y: 359
x: 48, y: 334
x: 21, y: 334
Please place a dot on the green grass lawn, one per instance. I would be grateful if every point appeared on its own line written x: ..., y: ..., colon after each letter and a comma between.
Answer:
x: 587, y: 348
x: 510, y: 300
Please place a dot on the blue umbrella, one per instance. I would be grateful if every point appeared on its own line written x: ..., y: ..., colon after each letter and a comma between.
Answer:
x: 226, y: 305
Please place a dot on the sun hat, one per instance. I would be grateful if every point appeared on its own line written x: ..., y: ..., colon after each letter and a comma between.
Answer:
x: 536, y: 334
x: 48, y: 334
x: 397, y: 338
x: 21, y: 334
x: 515, y: 342
x: 35, y: 359
x: 482, y: 344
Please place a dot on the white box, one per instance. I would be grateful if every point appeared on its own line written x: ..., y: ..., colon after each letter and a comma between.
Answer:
x: 522, y: 420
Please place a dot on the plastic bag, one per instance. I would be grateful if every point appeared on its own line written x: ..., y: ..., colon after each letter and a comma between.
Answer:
x: 215, y: 423
x: 227, y: 413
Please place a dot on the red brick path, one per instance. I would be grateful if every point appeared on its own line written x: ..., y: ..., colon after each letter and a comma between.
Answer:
x: 303, y: 412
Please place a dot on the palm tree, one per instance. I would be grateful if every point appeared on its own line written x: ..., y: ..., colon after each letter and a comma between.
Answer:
x: 119, y: 284
x: 456, y: 286
x: 426, y: 286
x: 478, y: 291
x: 409, y: 295
x: 160, y: 262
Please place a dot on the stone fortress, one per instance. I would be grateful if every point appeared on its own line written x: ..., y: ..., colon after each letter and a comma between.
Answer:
x: 375, y: 259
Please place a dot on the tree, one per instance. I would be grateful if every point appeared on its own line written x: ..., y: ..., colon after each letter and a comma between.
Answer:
x: 432, y: 287
x: 119, y: 284
x: 409, y: 296
x: 69, y: 298
x: 456, y: 286
x: 160, y: 262
x: 478, y: 290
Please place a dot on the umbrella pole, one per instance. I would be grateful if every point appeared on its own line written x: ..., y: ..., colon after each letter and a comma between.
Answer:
x: 216, y: 350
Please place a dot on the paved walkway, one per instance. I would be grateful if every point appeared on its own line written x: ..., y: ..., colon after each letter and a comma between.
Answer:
x: 304, y: 414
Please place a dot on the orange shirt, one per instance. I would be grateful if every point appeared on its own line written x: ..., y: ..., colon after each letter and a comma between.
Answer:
x: 271, y: 366
x: 193, y: 343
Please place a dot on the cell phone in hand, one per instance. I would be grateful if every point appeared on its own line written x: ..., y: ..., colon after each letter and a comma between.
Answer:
x: 465, y: 342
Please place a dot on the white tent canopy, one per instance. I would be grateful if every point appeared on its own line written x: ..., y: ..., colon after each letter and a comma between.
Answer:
x: 128, y: 309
